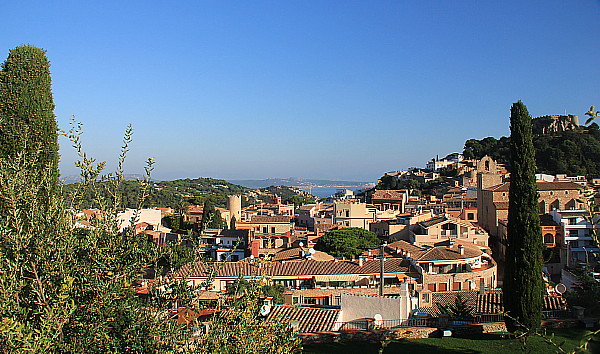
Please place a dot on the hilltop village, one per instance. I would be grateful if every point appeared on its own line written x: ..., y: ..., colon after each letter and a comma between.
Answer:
x: 439, y: 231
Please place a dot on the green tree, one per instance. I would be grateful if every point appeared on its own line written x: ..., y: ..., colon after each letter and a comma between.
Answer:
x: 27, y: 122
x: 350, y: 242
x: 211, y: 218
x: 523, y: 283
x: 459, y: 310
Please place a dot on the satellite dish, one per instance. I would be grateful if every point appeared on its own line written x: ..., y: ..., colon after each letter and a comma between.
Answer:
x: 311, y: 251
x: 251, y: 256
x: 265, y: 310
x: 301, y: 244
x: 378, y: 319
x: 560, y: 288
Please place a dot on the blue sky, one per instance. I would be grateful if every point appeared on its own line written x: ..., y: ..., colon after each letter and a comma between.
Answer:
x: 315, y: 89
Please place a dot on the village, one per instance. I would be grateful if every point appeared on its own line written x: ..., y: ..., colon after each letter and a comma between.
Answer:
x: 432, y: 249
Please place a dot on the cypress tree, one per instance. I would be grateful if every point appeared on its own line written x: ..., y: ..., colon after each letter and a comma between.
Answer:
x: 28, y: 128
x: 523, y: 282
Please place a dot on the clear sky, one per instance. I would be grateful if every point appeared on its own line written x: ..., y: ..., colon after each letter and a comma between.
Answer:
x: 315, y: 89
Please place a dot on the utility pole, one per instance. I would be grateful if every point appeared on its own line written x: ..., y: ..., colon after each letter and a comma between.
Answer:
x: 381, y: 265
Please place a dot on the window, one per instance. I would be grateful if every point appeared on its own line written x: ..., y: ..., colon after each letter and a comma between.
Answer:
x: 574, y: 244
x: 572, y: 221
x: 425, y: 297
x: 470, y: 216
x: 273, y: 229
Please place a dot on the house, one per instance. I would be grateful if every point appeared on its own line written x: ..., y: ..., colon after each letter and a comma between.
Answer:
x: 577, y: 232
x: 268, y: 234
x: 394, y: 200
x: 225, y: 245
x: 493, y: 199
x: 353, y: 213
x: 456, y: 265
x: 310, y: 215
x: 442, y: 228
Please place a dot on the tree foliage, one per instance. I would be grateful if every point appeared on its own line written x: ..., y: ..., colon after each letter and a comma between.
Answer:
x: 349, y: 243
x: 27, y: 123
x: 573, y: 152
x: 523, y: 283
x: 70, y: 290
x: 459, y: 310
x: 211, y: 218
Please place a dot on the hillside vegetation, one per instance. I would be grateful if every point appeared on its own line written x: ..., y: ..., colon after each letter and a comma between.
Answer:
x: 574, y: 152
x: 173, y: 193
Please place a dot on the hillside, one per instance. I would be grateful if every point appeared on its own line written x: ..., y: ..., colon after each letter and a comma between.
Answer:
x: 172, y: 193
x: 573, y: 152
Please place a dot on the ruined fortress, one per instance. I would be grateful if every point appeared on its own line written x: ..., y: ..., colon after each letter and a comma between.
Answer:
x: 554, y: 124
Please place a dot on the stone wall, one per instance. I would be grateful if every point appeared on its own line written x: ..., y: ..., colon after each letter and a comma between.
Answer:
x: 380, y: 334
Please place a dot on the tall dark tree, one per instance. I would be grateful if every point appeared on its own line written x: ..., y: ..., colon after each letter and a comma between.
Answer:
x: 28, y: 128
x: 523, y: 283
x: 211, y: 218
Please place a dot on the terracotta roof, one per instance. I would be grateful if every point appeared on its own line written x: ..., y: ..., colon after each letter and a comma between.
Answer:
x: 293, y: 254
x: 442, y: 253
x: 437, y: 253
x: 326, y: 227
x: 387, y: 194
x: 306, y: 319
x: 307, y: 268
x: 490, y: 302
x: 541, y: 185
x: 432, y: 221
x: 501, y: 205
x: 264, y: 219
x: 307, y: 207
x: 239, y: 233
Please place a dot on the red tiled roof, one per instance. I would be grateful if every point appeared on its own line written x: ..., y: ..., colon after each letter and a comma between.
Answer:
x: 264, y: 219
x: 387, y: 194
x: 501, y: 205
x: 307, y: 319
x: 490, y: 302
x: 307, y: 268
x: 293, y: 254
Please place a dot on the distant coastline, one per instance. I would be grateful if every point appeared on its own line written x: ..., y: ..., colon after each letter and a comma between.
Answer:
x: 301, y: 183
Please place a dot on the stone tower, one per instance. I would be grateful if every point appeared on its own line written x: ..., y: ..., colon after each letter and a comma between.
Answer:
x: 234, y: 205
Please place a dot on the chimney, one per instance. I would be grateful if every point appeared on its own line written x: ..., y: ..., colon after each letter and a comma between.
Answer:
x: 360, y: 261
x: 461, y: 249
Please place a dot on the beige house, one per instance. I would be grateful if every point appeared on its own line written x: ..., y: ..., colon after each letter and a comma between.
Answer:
x: 493, y: 200
x: 353, y: 213
x: 439, y: 229
x: 268, y: 234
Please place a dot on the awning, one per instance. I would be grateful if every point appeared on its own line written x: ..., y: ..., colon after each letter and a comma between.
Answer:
x: 337, y: 277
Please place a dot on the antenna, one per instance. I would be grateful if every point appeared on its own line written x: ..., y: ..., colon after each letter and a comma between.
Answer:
x: 265, y: 310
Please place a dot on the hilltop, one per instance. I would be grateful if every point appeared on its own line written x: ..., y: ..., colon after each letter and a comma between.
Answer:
x: 573, y: 152
x: 193, y: 191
